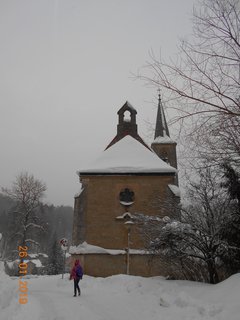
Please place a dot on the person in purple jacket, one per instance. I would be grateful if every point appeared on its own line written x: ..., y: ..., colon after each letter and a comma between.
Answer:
x: 76, y: 275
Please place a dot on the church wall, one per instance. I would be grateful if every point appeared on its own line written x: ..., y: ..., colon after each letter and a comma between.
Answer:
x: 103, y: 265
x: 166, y: 151
x: 79, y: 230
x: 102, y: 206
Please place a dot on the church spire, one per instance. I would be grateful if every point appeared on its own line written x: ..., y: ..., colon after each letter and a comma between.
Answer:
x: 163, y: 145
x: 161, y: 129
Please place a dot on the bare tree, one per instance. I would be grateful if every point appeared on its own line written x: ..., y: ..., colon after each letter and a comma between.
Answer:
x: 203, y: 83
x: 206, y: 77
x: 203, y: 87
x: 27, y: 193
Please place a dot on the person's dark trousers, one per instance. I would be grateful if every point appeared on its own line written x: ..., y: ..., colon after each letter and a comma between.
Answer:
x: 76, y: 287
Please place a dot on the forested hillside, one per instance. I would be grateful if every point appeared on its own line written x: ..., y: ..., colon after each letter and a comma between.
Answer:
x: 55, y: 222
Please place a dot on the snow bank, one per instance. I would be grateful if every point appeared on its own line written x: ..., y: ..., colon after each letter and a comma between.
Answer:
x: 121, y: 297
x: 8, y: 294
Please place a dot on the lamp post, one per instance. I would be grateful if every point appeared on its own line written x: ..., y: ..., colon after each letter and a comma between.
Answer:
x: 64, y: 246
x: 128, y: 225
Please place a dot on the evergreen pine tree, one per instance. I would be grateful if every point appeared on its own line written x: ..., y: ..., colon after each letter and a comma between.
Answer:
x: 232, y: 226
x: 232, y: 183
x: 55, y: 259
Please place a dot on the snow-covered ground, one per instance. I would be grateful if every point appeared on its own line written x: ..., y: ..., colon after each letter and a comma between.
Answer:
x: 120, y: 297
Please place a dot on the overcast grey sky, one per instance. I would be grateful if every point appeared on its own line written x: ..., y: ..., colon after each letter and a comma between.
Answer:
x: 65, y: 70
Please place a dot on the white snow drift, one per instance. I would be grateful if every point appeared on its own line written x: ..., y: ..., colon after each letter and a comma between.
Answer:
x: 120, y: 297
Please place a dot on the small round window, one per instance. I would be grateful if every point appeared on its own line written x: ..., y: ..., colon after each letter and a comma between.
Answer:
x: 126, y: 196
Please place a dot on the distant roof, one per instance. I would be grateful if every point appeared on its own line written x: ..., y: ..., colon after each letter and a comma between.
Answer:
x: 128, y: 156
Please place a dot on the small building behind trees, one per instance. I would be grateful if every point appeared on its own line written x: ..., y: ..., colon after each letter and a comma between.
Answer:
x: 129, y: 177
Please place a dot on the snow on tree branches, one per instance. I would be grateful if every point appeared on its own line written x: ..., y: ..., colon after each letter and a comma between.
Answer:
x: 27, y: 193
x: 199, y: 235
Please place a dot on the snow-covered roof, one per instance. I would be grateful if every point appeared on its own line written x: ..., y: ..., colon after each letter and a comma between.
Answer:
x: 37, y: 262
x: 129, y: 106
x: 33, y: 255
x: 79, y: 193
x: 175, y: 190
x: 36, y: 255
x: 164, y: 140
x: 43, y: 255
x: 12, y: 264
x: 85, y: 248
x: 128, y: 156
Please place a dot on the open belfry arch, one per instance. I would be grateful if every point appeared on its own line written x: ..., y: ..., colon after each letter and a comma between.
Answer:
x: 128, y: 177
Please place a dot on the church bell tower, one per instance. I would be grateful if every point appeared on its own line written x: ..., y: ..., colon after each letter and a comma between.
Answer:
x: 163, y: 145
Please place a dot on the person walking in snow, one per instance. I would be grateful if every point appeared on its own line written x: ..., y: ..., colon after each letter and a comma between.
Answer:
x: 76, y: 274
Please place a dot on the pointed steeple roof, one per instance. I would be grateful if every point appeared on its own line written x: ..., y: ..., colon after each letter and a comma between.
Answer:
x: 161, y: 129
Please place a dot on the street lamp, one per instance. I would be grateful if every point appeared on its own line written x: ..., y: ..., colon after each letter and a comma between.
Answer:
x: 128, y: 225
x: 126, y: 199
x: 64, y: 246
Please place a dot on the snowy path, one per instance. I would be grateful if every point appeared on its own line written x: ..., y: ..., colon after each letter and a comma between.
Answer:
x: 120, y: 298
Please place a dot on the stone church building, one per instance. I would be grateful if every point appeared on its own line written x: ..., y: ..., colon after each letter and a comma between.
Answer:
x: 129, y: 177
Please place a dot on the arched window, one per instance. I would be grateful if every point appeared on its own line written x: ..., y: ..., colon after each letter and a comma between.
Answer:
x: 127, y: 117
